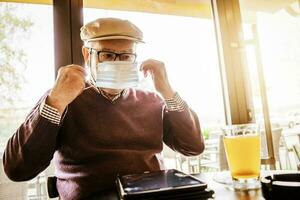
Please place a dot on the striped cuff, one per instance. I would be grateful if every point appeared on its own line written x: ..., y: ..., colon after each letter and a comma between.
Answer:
x: 175, y: 103
x: 50, y: 113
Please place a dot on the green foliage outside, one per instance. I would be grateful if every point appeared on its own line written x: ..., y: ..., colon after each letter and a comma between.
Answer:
x: 14, y: 30
x: 205, y: 133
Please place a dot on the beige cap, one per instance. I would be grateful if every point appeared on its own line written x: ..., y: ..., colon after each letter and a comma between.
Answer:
x: 110, y: 28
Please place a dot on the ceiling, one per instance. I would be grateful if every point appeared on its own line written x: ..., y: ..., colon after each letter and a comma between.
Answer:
x: 265, y: 6
x: 193, y: 8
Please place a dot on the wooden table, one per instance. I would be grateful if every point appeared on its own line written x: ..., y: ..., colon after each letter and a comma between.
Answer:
x: 222, y: 191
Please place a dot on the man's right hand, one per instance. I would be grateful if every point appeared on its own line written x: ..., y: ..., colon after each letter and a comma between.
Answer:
x: 69, y: 84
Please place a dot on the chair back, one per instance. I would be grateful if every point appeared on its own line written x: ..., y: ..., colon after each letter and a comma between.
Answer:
x: 276, y: 136
x: 296, y: 148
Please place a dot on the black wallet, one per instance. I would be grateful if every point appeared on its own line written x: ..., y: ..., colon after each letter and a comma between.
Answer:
x: 281, y: 186
x: 162, y: 185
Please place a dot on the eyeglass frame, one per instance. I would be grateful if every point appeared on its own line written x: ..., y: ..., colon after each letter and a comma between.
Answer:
x: 116, y: 54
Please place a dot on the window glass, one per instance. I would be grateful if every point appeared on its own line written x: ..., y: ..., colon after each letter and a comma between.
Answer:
x: 26, y: 73
x: 272, y: 30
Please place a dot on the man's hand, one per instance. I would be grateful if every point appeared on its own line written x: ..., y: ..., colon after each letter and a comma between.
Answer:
x: 69, y: 84
x: 159, y: 76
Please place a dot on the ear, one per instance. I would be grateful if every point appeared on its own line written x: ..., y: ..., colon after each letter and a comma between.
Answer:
x: 85, y: 53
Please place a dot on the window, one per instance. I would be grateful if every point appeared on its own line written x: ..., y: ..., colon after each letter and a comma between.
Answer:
x: 26, y: 73
x: 278, y: 35
x: 27, y: 62
x: 271, y: 31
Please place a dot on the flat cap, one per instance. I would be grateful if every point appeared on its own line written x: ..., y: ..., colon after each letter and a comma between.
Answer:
x: 110, y: 28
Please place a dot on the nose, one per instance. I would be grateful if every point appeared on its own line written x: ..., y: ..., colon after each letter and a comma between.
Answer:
x: 117, y: 58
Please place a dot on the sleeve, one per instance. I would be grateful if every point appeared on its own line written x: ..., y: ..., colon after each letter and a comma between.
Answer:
x: 182, y: 130
x: 31, y: 148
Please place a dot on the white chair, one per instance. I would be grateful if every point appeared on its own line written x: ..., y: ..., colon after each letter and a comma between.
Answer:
x: 276, y: 136
x: 290, y: 137
x: 169, y: 158
x: 207, y: 161
x: 296, y: 148
x: 223, y: 164
x: 180, y: 162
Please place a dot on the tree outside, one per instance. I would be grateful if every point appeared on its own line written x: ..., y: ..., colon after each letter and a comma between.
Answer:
x: 13, y: 30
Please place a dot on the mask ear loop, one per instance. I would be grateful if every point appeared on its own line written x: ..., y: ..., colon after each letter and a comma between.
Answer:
x: 93, y: 80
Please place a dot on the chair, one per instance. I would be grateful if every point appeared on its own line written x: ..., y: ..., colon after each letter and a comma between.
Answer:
x: 276, y: 136
x: 290, y: 137
x: 207, y: 161
x: 223, y: 164
x: 169, y: 157
x: 296, y: 148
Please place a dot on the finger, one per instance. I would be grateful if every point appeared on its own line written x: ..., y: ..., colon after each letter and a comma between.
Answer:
x: 148, y: 62
x: 151, y: 63
x: 78, y: 68
x: 145, y: 73
x: 145, y: 70
x: 146, y: 66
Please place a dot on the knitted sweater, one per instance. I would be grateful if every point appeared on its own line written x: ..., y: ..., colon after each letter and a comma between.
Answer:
x: 98, y: 139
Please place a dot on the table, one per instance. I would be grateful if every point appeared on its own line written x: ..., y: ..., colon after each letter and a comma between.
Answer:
x: 222, y: 192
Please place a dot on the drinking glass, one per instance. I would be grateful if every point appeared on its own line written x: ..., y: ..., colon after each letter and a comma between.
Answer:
x: 242, y: 147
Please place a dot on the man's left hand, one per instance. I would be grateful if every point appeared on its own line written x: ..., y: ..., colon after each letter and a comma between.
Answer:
x: 159, y: 76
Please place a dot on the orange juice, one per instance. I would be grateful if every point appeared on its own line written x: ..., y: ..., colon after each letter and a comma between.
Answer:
x: 243, y: 155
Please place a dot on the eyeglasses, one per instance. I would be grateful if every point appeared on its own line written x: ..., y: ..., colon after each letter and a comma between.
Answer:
x: 112, y: 56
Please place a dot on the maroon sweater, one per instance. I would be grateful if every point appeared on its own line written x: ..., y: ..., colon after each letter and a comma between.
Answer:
x: 98, y: 139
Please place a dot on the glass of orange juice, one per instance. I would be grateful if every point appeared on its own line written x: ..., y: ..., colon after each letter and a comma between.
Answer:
x: 242, y: 147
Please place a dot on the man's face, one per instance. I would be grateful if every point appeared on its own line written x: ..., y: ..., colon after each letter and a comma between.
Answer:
x: 114, y: 46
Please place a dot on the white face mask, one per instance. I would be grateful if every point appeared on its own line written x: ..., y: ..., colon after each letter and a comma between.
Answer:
x: 117, y: 75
